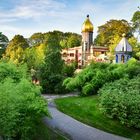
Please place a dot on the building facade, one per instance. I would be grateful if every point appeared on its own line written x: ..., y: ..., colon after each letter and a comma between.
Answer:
x: 123, y: 51
x: 87, y: 52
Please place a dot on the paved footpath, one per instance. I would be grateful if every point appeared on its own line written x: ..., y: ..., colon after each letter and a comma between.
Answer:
x: 74, y: 129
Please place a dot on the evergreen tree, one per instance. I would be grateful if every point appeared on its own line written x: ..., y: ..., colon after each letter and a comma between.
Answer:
x: 51, y: 72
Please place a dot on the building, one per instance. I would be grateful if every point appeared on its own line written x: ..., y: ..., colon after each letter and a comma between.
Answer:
x: 87, y: 52
x: 123, y: 51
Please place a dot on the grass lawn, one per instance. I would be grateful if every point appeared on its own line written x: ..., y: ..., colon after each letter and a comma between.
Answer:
x: 85, y: 109
x: 45, y: 133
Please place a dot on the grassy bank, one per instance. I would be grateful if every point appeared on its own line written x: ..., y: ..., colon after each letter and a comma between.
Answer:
x: 45, y: 133
x: 85, y: 109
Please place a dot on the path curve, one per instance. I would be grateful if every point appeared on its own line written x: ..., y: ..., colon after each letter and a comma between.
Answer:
x: 74, y: 129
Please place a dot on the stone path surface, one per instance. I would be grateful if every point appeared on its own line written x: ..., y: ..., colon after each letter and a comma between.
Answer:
x: 74, y: 129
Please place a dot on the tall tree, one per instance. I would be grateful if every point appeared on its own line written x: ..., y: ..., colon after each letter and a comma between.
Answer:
x: 34, y: 56
x: 73, y: 41
x: 51, y: 72
x: 136, y: 21
x: 3, y: 43
x: 112, y: 30
x: 36, y: 39
x: 15, y: 49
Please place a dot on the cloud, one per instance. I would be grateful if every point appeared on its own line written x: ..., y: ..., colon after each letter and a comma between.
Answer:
x: 31, y: 9
x: 28, y: 16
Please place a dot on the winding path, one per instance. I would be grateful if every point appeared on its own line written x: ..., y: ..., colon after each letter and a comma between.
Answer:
x: 72, y: 128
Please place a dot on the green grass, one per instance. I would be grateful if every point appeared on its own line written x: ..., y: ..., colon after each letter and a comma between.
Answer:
x: 85, y: 109
x: 46, y: 133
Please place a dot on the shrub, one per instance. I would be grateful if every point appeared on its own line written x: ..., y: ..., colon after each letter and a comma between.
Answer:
x: 21, y: 109
x: 87, y: 89
x: 121, y: 100
x: 97, y: 74
x: 9, y: 70
x: 69, y: 70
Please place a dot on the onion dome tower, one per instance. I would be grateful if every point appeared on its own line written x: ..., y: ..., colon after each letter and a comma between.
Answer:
x: 123, y: 51
x: 87, y: 39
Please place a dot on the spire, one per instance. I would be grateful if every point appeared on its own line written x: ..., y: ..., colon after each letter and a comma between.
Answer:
x: 123, y: 45
x: 87, y: 25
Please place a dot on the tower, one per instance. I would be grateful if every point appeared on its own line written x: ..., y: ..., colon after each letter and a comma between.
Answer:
x: 123, y: 51
x: 87, y: 39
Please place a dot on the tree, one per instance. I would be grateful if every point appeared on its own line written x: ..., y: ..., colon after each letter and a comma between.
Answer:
x: 15, y: 49
x: 36, y: 39
x: 51, y: 72
x: 34, y: 56
x: 112, y: 30
x: 138, y: 55
x: 21, y: 105
x: 73, y: 41
x: 136, y: 21
x: 63, y: 43
x: 67, y: 40
x: 3, y: 43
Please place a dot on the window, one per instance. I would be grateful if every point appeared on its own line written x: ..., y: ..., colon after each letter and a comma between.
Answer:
x: 116, y: 58
x: 71, y: 54
x: 122, y: 58
x: 64, y: 54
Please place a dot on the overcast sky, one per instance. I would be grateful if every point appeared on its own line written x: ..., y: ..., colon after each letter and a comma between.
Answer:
x: 26, y: 17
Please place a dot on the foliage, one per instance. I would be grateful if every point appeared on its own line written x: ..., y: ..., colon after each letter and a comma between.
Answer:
x: 136, y: 21
x: 134, y: 43
x: 90, y: 79
x: 66, y: 40
x: 15, y: 49
x: 34, y: 56
x: 21, y: 108
x: 51, y: 71
x: 138, y: 55
x: 69, y: 69
x: 110, y: 33
x: 47, y: 133
x: 94, y: 76
x: 121, y: 100
x: 9, y: 70
x: 86, y: 110
x: 3, y: 43
x: 73, y: 41
x: 36, y: 39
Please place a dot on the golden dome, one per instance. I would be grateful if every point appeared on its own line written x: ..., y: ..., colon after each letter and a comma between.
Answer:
x: 87, y: 25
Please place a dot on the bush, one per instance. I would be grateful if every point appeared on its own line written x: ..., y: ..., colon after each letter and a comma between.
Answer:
x: 21, y: 109
x: 69, y: 70
x: 97, y: 74
x: 9, y: 70
x: 121, y: 100
x: 87, y: 89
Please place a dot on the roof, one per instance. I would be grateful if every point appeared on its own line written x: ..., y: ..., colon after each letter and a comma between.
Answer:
x: 87, y: 25
x: 123, y: 46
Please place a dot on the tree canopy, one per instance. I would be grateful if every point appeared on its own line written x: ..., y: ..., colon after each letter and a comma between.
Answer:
x: 111, y: 32
x: 15, y: 49
x: 3, y: 43
x: 136, y: 21
x: 51, y: 70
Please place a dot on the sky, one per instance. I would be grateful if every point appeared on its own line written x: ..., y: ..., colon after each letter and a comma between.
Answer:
x: 26, y: 17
